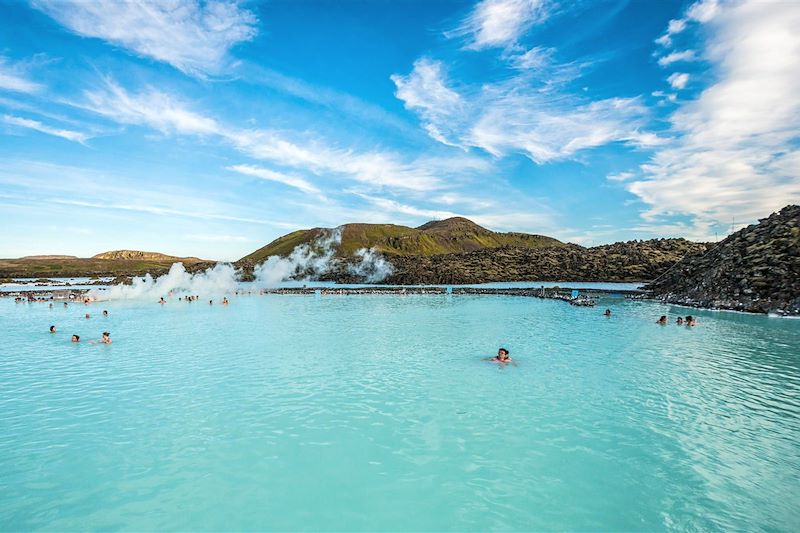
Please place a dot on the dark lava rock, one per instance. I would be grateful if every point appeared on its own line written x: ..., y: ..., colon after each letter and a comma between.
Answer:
x: 756, y: 269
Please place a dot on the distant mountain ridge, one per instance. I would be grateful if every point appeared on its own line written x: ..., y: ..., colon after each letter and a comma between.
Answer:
x: 139, y: 255
x: 453, y: 235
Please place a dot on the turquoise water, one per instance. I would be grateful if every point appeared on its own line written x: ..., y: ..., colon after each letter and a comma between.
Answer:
x: 377, y: 412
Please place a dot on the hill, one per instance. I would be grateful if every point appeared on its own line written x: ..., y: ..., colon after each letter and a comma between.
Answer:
x: 454, y: 235
x: 755, y: 269
x: 623, y: 261
x: 141, y: 256
x: 117, y: 263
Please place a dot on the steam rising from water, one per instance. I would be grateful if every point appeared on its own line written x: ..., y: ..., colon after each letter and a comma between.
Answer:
x: 307, y: 261
x: 218, y: 280
x: 371, y: 266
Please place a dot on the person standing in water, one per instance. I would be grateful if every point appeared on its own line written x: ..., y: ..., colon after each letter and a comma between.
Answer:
x: 662, y: 321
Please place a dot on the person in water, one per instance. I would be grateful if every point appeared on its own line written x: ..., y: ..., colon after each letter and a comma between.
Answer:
x: 662, y: 320
x: 679, y: 321
x: 225, y: 300
x: 502, y: 357
x: 52, y: 329
x: 88, y: 316
x: 690, y: 321
x: 106, y: 339
x: 76, y: 338
x: 162, y: 301
x: 105, y: 312
x: 607, y: 312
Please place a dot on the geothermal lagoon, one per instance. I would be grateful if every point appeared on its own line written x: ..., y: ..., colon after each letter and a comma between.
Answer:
x: 379, y: 412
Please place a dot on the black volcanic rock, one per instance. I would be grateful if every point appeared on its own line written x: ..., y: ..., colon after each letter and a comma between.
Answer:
x: 623, y: 261
x: 756, y: 269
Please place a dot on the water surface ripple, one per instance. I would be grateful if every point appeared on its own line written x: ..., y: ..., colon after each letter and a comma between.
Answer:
x: 377, y: 413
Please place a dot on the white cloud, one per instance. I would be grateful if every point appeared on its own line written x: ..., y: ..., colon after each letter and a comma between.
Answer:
x: 734, y: 150
x: 523, y: 114
x: 191, y: 35
x: 703, y: 11
x: 151, y: 108
x: 163, y: 112
x: 70, y: 135
x: 536, y: 58
x: 425, y: 91
x: 499, y: 23
x: 271, y: 175
x: 673, y: 57
x: 678, y: 80
x: 621, y: 176
x: 13, y: 79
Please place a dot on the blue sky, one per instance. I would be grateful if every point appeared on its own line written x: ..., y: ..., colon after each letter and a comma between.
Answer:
x: 211, y: 128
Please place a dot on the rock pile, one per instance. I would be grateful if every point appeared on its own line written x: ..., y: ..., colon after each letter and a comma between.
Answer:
x: 756, y: 269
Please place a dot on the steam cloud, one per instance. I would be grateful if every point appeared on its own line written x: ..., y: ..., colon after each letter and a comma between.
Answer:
x: 218, y: 280
x: 371, y: 266
x: 307, y: 261
x: 310, y: 261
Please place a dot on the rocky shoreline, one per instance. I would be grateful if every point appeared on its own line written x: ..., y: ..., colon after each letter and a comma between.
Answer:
x: 756, y: 269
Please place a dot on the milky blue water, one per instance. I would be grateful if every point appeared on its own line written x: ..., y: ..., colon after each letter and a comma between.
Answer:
x: 378, y: 413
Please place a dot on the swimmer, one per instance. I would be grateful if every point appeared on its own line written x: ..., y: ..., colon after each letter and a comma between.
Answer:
x: 225, y: 300
x: 65, y: 304
x: 211, y: 302
x: 607, y: 312
x: 51, y: 306
x: 690, y: 321
x: 106, y: 339
x: 76, y: 338
x: 162, y: 301
x: 662, y: 321
x: 88, y: 316
x: 502, y: 357
x: 105, y: 312
x: 679, y: 321
x: 52, y: 329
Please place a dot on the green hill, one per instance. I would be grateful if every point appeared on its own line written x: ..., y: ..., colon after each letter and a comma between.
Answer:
x: 451, y: 236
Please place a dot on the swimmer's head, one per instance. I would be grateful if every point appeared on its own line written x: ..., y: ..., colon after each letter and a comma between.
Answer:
x: 502, y: 353
x: 52, y: 329
x: 105, y: 312
x: 76, y: 338
x: 106, y: 334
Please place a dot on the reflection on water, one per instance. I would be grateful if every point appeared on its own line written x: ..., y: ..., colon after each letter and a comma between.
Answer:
x: 377, y: 412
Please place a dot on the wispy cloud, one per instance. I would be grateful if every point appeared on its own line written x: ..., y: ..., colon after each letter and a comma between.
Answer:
x: 500, y: 23
x: 518, y: 115
x: 674, y: 57
x: 21, y: 122
x: 734, y: 151
x: 701, y: 11
x: 621, y: 176
x: 193, y: 36
x: 271, y: 175
x: 678, y: 80
x: 13, y: 78
x: 167, y: 114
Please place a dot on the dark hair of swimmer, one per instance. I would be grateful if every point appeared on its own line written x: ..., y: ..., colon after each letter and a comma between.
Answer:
x: 503, y: 350
x: 76, y: 338
x: 52, y: 329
